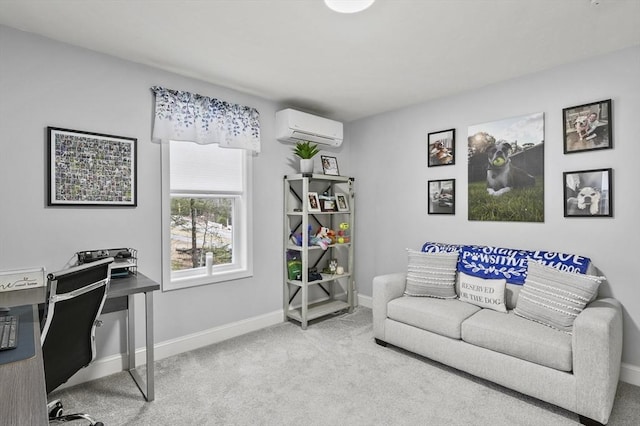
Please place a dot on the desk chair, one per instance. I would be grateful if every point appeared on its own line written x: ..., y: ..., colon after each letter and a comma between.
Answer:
x: 75, y: 298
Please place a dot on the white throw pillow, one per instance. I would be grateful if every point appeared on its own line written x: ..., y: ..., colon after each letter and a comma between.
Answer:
x: 483, y: 292
x: 555, y: 298
x: 431, y: 274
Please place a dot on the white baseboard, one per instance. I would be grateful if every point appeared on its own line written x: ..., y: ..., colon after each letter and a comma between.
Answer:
x: 365, y: 301
x: 630, y: 373
x: 116, y: 363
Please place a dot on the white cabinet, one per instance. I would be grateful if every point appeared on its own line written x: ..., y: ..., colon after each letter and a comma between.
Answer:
x: 318, y: 269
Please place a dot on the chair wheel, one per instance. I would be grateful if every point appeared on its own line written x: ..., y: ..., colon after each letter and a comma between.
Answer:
x: 99, y: 424
x: 56, y: 411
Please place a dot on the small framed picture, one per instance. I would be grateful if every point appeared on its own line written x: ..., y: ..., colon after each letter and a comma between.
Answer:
x: 313, y: 204
x: 588, y: 193
x: 91, y: 169
x: 341, y: 202
x: 587, y: 127
x: 441, y: 148
x: 327, y: 203
x: 330, y: 165
x: 441, y: 196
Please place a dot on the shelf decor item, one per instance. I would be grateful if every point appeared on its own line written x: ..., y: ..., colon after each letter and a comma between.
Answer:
x: 587, y: 127
x: 91, y: 169
x: 314, y: 202
x: 330, y: 165
x: 306, y: 151
x: 588, y: 193
x: 342, y: 203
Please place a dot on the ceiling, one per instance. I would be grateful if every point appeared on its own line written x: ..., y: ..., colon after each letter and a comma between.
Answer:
x: 302, y: 55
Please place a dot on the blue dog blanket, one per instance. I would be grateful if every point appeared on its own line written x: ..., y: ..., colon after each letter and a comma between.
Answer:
x: 510, y: 264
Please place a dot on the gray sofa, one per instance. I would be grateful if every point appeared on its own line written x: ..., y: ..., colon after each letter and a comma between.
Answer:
x: 578, y: 372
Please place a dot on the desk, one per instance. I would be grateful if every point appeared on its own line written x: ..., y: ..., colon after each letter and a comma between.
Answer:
x: 26, y: 401
x: 120, y: 297
x: 23, y: 394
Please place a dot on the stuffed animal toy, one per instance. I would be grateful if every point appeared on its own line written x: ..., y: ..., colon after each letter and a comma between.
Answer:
x: 322, y: 238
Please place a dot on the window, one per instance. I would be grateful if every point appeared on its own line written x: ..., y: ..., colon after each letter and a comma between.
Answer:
x: 206, y: 209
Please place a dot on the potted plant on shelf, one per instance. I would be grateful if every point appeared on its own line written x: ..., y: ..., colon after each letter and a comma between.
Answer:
x: 306, y: 151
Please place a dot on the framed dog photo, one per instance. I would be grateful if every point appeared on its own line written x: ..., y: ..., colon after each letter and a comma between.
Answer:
x: 441, y: 148
x: 313, y: 203
x: 441, y: 196
x: 330, y: 165
x: 341, y: 202
x: 91, y: 169
x: 587, y: 127
x: 588, y: 193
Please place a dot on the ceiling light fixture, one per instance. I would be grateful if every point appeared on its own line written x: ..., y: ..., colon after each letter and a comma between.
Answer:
x: 348, y: 6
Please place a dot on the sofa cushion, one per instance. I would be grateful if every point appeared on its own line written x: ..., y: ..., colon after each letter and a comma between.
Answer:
x: 481, y: 292
x: 431, y: 274
x: 512, y: 335
x: 555, y: 298
x: 441, y: 316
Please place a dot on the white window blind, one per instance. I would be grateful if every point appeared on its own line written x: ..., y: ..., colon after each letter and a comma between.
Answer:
x: 206, y: 168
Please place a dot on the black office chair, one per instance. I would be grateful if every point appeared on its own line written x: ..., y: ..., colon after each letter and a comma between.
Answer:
x: 75, y: 298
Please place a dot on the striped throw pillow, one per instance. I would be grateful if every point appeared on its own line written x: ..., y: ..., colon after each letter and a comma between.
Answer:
x: 553, y: 297
x: 431, y: 274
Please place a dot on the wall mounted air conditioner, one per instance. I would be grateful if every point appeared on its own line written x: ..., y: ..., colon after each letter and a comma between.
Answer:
x: 294, y: 126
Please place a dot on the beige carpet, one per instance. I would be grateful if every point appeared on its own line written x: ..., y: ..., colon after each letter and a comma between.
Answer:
x: 330, y: 374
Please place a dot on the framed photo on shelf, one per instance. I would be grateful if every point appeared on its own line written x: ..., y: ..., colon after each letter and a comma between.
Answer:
x: 330, y: 165
x: 341, y: 202
x: 441, y: 148
x: 91, y: 169
x: 313, y: 204
x: 327, y: 203
x: 441, y: 196
x: 587, y: 127
x: 588, y: 193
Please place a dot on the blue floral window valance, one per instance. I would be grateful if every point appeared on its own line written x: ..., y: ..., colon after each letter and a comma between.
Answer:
x: 185, y: 116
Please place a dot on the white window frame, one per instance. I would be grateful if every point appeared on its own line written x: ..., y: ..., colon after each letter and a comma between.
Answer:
x: 242, y: 265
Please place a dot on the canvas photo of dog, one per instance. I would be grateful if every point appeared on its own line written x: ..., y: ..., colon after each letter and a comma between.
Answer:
x: 506, y: 169
x: 588, y: 193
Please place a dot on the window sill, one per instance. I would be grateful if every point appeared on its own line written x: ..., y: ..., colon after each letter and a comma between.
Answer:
x: 204, y: 279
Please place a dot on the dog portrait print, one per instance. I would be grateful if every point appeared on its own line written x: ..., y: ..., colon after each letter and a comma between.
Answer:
x: 587, y: 193
x: 441, y: 148
x: 506, y: 169
x: 587, y: 127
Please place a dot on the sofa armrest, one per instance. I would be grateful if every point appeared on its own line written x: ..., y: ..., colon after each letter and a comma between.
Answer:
x: 385, y: 288
x: 597, y: 353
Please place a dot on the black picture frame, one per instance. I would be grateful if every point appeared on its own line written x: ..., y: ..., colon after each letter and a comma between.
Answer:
x: 330, y: 165
x: 91, y: 169
x: 441, y: 148
x: 441, y: 196
x: 587, y: 127
x: 580, y: 189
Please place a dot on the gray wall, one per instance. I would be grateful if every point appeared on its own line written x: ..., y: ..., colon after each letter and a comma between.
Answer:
x: 46, y: 83
x: 392, y: 176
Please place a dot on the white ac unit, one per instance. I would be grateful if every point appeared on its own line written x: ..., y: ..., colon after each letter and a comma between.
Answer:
x: 295, y: 126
